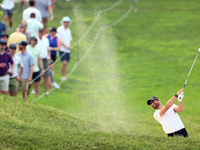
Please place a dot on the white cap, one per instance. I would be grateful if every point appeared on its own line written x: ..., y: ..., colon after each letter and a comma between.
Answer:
x: 66, y: 19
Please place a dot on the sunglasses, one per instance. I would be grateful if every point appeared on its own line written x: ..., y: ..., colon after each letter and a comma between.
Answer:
x: 150, y: 102
x: 3, y: 44
x: 13, y: 48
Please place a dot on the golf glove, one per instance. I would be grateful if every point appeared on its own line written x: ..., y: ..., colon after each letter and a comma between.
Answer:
x: 180, y: 97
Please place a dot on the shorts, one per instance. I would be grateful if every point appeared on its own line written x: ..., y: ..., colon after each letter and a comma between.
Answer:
x: 53, y: 58
x: 45, y: 22
x: 7, y: 12
x: 36, y: 76
x: 24, y: 84
x: 181, y: 132
x: 64, y: 56
x: 46, y: 68
x: 13, y: 84
x: 4, y: 83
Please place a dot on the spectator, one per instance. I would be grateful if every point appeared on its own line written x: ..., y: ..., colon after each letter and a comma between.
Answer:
x: 45, y: 7
x: 5, y: 70
x: 28, y: 61
x: 7, y: 8
x: 43, y: 46
x: 18, y: 67
x: 33, y: 25
x: 17, y: 37
x: 32, y: 9
x: 55, y: 45
x: 37, y: 62
x: 64, y: 34
x: 25, y: 32
x: 2, y: 28
x: 5, y: 36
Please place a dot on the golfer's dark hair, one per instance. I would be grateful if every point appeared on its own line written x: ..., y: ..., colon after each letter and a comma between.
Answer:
x: 32, y: 15
x: 31, y: 3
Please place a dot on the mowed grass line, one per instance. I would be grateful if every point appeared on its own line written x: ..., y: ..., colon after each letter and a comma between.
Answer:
x: 155, y: 47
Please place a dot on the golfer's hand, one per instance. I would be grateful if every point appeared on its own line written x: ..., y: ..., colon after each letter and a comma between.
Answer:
x: 181, y: 90
x: 180, y: 97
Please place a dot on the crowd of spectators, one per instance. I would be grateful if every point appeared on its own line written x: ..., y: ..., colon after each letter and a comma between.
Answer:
x: 28, y: 55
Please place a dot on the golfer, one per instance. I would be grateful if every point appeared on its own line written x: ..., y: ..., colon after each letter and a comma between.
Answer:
x: 167, y: 115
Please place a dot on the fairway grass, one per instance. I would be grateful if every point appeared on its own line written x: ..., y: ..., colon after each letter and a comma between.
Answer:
x: 102, y: 105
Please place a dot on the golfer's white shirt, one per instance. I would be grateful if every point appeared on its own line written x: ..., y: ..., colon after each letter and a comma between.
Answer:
x: 170, y: 121
x: 65, y: 36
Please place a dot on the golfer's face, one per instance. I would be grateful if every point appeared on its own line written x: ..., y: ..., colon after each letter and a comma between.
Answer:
x: 155, y: 104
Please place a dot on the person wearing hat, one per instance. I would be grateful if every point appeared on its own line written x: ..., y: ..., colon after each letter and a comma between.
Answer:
x: 37, y: 63
x: 17, y: 37
x: 25, y: 32
x: 64, y: 33
x: 5, y: 36
x: 28, y: 61
x: 18, y: 67
x: 6, y: 67
x: 167, y: 115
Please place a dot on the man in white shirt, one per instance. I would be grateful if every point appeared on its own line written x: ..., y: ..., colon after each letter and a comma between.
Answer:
x: 18, y: 67
x: 167, y: 115
x: 31, y: 9
x: 64, y: 33
x: 7, y: 8
x: 43, y: 46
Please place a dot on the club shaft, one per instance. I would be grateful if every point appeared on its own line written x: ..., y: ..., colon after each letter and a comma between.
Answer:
x: 191, y: 70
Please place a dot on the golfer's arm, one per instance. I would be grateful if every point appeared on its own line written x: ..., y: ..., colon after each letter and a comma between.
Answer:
x: 179, y: 108
x: 167, y: 105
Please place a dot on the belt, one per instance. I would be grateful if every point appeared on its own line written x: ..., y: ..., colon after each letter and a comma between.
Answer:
x: 4, y: 75
x: 12, y: 77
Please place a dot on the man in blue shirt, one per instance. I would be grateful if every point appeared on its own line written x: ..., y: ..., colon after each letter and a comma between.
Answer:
x: 28, y: 62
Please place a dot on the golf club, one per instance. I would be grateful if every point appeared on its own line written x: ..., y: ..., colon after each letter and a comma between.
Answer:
x: 191, y: 67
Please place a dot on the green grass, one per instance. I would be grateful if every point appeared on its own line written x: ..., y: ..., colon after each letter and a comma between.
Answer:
x: 103, y: 103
